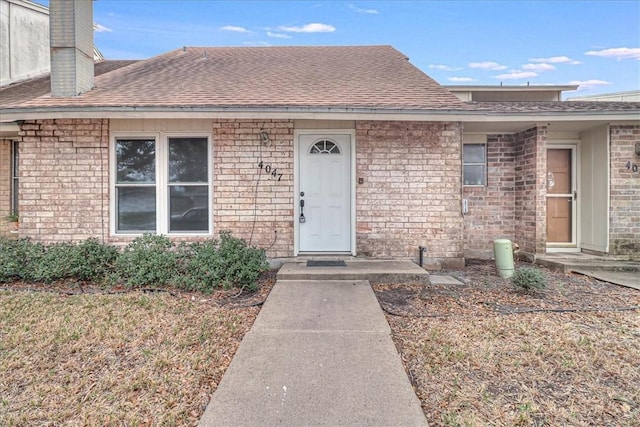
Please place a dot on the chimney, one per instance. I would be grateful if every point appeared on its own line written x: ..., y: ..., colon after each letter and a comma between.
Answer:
x: 71, y: 35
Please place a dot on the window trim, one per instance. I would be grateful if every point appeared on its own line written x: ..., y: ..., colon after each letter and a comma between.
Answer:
x: 161, y: 182
x: 483, y: 164
x: 15, y: 177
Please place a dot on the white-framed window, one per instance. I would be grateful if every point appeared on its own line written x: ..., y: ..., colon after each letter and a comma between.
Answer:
x: 15, y: 161
x: 161, y: 183
x: 474, y: 164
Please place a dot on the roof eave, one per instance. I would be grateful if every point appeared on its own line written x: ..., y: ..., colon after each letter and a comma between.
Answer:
x: 297, y: 112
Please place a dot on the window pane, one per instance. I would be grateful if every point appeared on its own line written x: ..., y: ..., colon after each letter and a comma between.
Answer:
x: 14, y: 176
x: 474, y: 175
x: 136, y: 208
x: 473, y: 153
x: 189, y: 208
x: 188, y: 160
x: 136, y: 160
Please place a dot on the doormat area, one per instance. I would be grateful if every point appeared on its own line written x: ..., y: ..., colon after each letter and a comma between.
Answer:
x: 326, y: 263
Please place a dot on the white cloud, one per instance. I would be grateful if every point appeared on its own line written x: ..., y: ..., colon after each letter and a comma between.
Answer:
x: 487, y: 65
x: 516, y: 74
x: 617, y: 52
x: 314, y: 27
x: 444, y: 67
x: 556, y: 60
x: 543, y: 66
x: 235, y: 29
x: 461, y: 79
x: 589, y: 84
x: 101, y: 28
x: 360, y: 10
x: 278, y: 35
x: 257, y: 43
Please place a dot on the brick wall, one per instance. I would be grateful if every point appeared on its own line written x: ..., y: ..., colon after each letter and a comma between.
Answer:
x: 624, y: 214
x: 237, y: 151
x: 411, y: 192
x: 530, y: 191
x: 64, y: 179
x: 492, y: 208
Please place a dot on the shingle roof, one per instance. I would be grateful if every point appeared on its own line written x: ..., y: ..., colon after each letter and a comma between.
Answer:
x: 536, y: 107
x: 377, y: 77
x: 41, y: 85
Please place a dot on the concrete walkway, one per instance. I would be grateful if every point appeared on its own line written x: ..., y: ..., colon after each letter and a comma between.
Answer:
x: 617, y: 269
x: 319, y: 353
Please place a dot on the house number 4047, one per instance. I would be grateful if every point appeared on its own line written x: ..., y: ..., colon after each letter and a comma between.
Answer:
x: 634, y: 167
x: 270, y: 170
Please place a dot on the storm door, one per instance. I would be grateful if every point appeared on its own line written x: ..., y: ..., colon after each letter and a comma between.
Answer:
x: 561, y: 196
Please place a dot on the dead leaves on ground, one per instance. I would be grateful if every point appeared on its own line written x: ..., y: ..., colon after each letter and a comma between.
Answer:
x: 471, y: 365
x: 123, y: 359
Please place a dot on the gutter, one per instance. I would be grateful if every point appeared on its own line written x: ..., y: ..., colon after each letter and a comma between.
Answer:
x: 13, y: 114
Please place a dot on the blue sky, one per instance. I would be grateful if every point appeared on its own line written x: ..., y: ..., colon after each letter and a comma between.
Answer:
x: 592, y: 43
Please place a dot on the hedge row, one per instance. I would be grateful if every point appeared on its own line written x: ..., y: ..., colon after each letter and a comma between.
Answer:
x: 149, y: 260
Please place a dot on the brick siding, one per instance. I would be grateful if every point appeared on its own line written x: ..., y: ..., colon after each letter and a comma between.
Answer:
x: 411, y: 192
x: 237, y: 152
x: 63, y: 179
x: 530, y: 190
x: 491, y: 212
x: 624, y: 215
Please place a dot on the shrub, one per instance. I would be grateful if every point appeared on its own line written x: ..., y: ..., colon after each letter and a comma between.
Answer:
x: 93, y: 260
x: 53, y: 263
x: 17, y: 258
x: 227, y: 262
x: 35, y: 262
x: 148, y: 260
x: 529, y: 279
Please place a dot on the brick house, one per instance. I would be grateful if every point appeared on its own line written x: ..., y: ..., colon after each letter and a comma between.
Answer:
x: 315, y: 150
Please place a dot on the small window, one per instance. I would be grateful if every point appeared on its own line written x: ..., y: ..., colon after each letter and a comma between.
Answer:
x: 324, y: 147
x: 474, y: 164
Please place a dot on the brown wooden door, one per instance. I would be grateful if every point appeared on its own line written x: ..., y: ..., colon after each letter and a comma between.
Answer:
x: 559, y: 195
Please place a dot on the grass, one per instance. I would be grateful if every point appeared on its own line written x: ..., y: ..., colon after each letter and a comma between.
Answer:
x: 533, y: 369
x: 155, y: 359
x: 127, y: 359
x: 473, y: 365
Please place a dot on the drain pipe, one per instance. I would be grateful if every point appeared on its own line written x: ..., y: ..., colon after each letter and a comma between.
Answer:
x: 422, y: 250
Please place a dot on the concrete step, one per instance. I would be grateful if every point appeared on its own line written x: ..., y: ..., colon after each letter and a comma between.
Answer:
x: 375, y: 271
x: 567, y: 266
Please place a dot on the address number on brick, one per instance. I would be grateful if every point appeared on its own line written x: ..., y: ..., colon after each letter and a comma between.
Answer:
x: 270, y: 170
x: 632, y: 166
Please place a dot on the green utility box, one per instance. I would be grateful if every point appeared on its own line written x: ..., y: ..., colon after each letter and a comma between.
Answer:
x: 503, y: 252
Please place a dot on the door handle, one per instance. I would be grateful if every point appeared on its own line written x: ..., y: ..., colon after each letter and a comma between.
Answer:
x: 302, y: 218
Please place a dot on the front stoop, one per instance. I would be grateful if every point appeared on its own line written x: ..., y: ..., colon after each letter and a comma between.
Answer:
x: 375, y: 271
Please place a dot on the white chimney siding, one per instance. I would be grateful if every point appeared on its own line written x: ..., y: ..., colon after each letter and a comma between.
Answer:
x: 71, y: 35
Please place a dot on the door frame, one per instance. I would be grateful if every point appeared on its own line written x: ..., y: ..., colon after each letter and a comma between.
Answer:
x: 572, y: 246
x: 322, y: 133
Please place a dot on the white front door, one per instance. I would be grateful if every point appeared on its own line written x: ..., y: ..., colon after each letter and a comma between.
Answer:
x: 324, y: 193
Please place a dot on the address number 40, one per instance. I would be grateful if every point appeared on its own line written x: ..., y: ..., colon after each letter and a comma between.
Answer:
x: 634, y: 167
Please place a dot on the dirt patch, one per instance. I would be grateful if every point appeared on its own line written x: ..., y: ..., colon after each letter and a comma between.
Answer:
x: 483, y: 353
x: 81, y: 355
